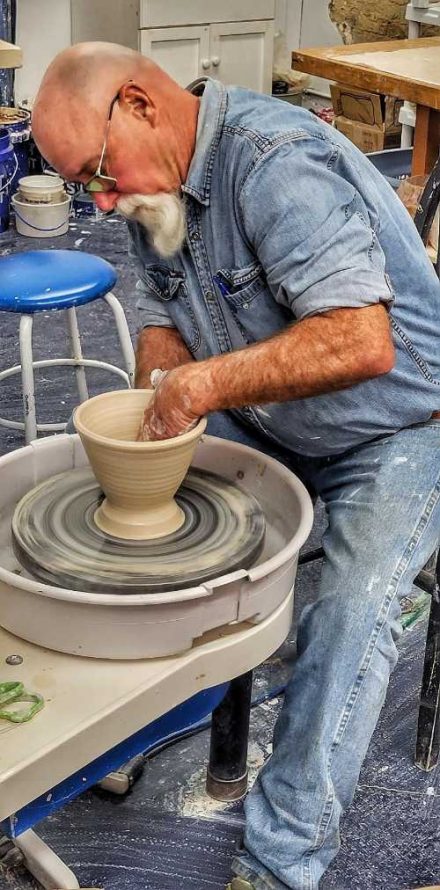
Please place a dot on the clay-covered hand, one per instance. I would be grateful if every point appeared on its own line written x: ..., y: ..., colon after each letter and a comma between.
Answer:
x: 171, y: 411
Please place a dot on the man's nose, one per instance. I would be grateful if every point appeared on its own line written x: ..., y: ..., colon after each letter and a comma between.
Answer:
x: 106, y: 200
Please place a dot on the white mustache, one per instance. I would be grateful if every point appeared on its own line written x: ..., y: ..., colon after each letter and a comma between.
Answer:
x: 162, y: 215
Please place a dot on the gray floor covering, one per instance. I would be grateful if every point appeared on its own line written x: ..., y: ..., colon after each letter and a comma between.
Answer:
x: 166, y: 834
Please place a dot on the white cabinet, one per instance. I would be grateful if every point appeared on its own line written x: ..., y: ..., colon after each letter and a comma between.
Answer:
x: 234, y: 52
x: 182, y: 52
x: 241, y: 53
x: 167, y: 13
x: 231, y: 40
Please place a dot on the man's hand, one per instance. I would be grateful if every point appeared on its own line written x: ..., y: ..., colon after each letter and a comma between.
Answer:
x: 171, y: 411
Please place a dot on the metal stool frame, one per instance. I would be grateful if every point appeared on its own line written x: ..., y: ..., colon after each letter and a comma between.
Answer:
x: 28, y: 365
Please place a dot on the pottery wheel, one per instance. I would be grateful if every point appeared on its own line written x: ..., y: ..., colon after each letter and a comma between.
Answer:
x: 56, y: 539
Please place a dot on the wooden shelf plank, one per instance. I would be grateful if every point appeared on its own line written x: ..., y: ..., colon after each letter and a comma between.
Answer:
x: 10, y: 56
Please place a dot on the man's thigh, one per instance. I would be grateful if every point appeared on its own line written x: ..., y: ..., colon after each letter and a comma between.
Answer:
x: 383, y: 506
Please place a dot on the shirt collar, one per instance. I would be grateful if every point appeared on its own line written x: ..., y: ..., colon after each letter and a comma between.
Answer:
x: 210, y: 122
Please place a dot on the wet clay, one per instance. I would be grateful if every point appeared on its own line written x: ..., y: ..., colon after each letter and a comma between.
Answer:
x: 57, y: 540
x: 139, y: 479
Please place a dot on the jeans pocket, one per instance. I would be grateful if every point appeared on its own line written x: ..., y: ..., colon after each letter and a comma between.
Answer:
x: 413, y: 353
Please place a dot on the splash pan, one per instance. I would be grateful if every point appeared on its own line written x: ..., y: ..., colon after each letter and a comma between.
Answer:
x: 59, y: 612
x: 56, y: 538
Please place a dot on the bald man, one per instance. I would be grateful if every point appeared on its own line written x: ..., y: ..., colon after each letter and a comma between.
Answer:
x: 285, y: 289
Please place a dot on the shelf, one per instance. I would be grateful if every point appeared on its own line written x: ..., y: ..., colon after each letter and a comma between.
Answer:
x: 429, y: 15
x: 10, y: 55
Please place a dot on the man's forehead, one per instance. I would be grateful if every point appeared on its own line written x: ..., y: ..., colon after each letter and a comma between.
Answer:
x: 71, y: 155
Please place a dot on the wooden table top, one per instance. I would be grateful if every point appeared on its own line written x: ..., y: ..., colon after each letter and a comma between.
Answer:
x: 408, y: 69
x: 10, y: 55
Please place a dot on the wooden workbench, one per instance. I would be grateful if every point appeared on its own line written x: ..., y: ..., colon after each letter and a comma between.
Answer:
x: 10, y: 55
x: 408, y: 69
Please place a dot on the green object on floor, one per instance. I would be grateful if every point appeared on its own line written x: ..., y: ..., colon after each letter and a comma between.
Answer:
x: 414, y: 609
x: 240, y: 884
x: 13, y: 693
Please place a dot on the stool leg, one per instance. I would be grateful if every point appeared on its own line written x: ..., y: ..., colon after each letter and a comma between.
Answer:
x: 27, y: 378
x: 124, y: 336
x: 76, y: 353
x: 227, y: 771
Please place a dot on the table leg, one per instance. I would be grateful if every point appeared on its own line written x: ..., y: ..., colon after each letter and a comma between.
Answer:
x: 227, y: 770
x: 426, y: 140
x: 428, y: 730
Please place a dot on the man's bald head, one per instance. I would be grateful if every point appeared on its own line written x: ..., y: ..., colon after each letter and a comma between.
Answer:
x: 76, y: 91
x: 108, y: 114
x: 88, y: 72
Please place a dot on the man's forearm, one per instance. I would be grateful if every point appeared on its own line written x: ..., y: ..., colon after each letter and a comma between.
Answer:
x: 158, y: 348
x: 322, y: 354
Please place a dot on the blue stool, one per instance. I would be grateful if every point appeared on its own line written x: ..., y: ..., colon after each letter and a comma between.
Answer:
x: 57, y: 279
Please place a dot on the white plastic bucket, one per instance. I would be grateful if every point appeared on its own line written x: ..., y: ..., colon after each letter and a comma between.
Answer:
x: 41, y: 220
x: 41, y: 189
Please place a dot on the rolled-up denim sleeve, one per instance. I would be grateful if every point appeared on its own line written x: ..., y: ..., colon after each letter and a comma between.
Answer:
x: 151, y: 310
x: 312, y: 232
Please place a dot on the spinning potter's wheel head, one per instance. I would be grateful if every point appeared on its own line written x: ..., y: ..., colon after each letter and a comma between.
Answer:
x: 57, y: 540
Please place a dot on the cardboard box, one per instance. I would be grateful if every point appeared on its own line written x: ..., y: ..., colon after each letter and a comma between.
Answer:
x: 366, y: 137
x: 370, y: 120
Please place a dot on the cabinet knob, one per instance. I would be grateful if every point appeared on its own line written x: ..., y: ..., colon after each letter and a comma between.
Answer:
x: 215, y: 61
x: 206, y: 63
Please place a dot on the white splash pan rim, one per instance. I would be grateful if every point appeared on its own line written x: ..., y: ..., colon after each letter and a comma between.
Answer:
x: 189, y: 593
x: 127, y: 445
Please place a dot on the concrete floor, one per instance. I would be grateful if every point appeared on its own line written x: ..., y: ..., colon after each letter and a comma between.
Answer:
x: 166, y: 834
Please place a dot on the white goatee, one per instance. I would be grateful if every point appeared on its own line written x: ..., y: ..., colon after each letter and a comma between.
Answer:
x: 162, y: 215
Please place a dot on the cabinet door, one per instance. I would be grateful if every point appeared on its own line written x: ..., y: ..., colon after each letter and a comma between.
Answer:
x: 241, y: 53
x: 182, y: 52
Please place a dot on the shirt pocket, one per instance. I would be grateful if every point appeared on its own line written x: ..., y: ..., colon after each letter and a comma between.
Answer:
x: 245, y: 292
x: 170, y: 287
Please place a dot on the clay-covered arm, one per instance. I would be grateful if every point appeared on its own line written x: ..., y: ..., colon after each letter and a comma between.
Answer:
x: 327, y: 352
x: 158, y: 348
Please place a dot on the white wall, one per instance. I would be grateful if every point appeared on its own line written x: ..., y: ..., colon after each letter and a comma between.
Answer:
x: 307, y: 23
x: 43, y: 29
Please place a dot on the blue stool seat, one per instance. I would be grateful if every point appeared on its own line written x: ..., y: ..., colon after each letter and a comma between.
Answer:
x: 58, y: 279
x: 52, y: 279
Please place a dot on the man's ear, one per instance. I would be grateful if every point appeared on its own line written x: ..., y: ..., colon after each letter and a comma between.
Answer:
x: 138, y: 102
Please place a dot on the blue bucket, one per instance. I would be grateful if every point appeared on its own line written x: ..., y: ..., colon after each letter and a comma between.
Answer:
x: 17, y: 122
x: 8, y: 169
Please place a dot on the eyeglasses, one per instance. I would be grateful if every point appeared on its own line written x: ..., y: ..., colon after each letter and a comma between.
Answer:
x: 99, y: 182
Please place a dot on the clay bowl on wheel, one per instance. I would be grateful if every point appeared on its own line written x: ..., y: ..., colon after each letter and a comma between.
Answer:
x: 139, y: 479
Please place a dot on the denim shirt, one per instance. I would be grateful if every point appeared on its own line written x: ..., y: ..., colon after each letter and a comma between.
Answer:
x: 286, y: 219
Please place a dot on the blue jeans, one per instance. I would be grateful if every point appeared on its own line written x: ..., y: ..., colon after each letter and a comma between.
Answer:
x: 383, y: 506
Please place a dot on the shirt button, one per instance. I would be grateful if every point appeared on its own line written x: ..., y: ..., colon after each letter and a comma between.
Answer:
x: 245, y: 305
x: 209, y: 295
x: 195, y: 236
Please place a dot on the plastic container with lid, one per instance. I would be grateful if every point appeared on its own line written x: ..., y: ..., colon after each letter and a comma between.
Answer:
x: 41, y: 189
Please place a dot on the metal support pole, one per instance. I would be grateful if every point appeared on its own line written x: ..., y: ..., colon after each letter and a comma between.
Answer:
x: 27, y: 378
x: 227, y: 770
x: 76, y: 353
x: 428, y: 730
x: 124, y: 336
x: 44, y: 864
